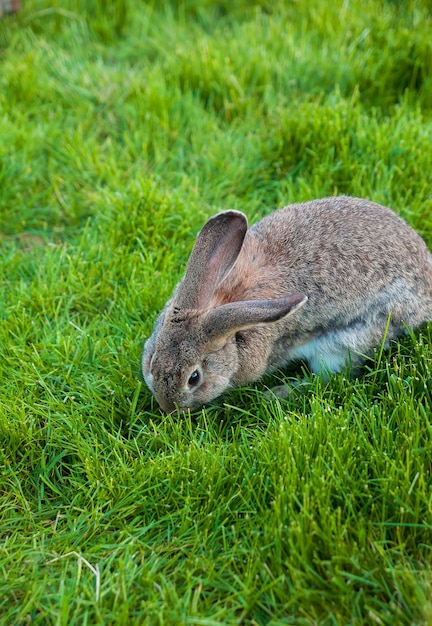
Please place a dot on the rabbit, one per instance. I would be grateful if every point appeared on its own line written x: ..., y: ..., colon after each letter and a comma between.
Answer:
x: 325, y: 281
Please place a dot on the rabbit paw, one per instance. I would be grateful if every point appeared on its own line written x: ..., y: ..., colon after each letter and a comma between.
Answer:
x: 280, y: 391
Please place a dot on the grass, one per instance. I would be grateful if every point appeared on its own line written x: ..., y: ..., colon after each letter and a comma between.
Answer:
x: 122, y: 128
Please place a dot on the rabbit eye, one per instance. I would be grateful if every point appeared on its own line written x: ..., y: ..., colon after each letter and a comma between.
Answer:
x: 194, y: 379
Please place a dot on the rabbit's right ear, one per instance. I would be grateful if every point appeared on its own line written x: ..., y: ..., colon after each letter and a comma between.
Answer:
x: 215, y: 251
x: 226, y: 320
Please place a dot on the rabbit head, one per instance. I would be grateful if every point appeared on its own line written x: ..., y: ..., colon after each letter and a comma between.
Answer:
x: 193, y: 355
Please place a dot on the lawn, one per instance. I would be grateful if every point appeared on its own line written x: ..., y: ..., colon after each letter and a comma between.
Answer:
x: 123, y: 126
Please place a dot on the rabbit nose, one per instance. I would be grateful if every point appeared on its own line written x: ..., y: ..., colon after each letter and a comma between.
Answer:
x: 166, y: 405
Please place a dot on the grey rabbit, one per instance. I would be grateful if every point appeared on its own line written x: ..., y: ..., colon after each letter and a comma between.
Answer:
x: 347, y: 263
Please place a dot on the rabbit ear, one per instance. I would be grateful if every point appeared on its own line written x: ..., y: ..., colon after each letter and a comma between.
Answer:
x: 215, y: 251
x: 230, y: 318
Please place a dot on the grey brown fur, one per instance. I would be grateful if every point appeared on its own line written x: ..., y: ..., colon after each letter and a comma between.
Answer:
x: 348, y: 263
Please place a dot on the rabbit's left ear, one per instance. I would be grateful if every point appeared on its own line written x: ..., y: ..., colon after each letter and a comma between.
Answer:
x: 227, y: 319
x: 215, y: 251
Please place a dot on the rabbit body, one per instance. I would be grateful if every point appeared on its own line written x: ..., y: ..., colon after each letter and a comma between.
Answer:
x: 347, y: 262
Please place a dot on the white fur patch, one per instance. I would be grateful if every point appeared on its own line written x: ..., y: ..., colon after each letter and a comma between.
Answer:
x: 322, y: 354
x: 148, y: 377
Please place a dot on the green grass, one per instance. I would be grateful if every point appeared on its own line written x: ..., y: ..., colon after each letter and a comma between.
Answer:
x: 121, y: 130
